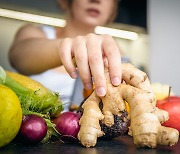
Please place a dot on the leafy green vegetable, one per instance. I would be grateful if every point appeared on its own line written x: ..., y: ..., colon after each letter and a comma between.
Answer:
x: 47, y: 105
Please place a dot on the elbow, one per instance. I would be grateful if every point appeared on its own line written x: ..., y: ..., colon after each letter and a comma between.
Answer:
x: 16, y: 61
x: 21, y: 64
x: 12, y: 58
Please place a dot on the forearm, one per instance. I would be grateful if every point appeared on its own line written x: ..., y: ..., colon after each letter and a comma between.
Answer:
x: 35, y: 55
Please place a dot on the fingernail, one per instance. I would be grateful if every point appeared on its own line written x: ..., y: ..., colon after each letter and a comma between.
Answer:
x: 101, y: 91
x: 116, y: 81
x: 74, y: 75
x: 88, y: 86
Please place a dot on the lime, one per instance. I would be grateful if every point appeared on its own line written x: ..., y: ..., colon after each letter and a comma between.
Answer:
x: 10, y: 115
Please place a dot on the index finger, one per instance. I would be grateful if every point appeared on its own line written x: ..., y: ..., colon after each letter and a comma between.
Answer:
x: 113, y: 56
x: 96, y: 64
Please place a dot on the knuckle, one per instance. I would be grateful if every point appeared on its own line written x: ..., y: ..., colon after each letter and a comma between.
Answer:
x: 94, y: 39
x: 112, y: 51
x: 79, y: 57
x: 90, y: 35
x: 78, y: 43
x: 79, y: 38
x: 109, y: 52
x: 108, y: 37
x: 66, y: 40
x: 64, y: 43
x: 93, y: 59
x: 111, y: 48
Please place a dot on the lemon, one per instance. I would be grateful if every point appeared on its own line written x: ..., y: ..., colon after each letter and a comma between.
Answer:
x: 161, y: 91
x: 10, y: 115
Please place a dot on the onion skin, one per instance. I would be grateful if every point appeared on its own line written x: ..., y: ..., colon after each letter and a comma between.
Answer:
x: 68, y: 124
x: 33, y: 128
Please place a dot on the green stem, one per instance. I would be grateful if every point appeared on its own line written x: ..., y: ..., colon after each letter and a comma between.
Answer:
x: 9, y: 82
x: 2, y: 75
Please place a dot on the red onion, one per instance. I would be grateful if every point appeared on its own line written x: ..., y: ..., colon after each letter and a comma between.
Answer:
x: 33, y: 128
x: 68, y: 124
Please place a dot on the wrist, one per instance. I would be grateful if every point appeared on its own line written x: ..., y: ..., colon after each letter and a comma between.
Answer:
x: 57, y: 45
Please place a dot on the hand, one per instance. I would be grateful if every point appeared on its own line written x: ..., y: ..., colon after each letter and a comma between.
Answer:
x: 91, y: 52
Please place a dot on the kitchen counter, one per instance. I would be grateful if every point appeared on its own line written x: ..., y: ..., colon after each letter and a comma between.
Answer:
x: 123, y: 144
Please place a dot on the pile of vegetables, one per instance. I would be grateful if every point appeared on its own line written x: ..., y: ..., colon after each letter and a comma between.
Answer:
x: 129, y: 107
x: 34, y: 99
x: 41, y: 117
x: 41, y: 110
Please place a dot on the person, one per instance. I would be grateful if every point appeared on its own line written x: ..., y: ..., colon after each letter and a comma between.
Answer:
x: 41, y: 50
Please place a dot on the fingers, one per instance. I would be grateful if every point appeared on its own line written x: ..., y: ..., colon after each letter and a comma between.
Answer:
x: 96, y: 64
x: 92, y: 53
x: 80, y: 53
x: 113, y: 56
x: 65, y: 53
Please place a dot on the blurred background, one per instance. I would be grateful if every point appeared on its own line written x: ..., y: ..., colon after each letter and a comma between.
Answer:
x: 148, y: 32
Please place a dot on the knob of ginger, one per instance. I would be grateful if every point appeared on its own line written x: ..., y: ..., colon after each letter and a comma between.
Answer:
x: 145, y: 117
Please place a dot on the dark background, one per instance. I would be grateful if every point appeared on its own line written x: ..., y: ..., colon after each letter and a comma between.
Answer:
x: 131, y: 12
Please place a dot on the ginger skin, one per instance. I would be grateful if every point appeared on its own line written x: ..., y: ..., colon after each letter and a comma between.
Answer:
x: 145, y: 117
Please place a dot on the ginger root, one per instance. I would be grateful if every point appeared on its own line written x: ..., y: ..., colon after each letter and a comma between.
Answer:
x: 145, y: 117
x: 89, y: 122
